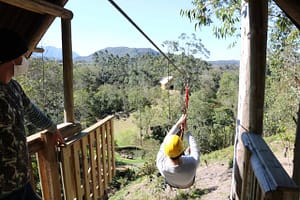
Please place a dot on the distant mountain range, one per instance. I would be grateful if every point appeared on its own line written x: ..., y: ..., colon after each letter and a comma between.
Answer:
x: 55, y: 53
x: 224, y: 62
x: 119, y: 51
x: 51, y: 52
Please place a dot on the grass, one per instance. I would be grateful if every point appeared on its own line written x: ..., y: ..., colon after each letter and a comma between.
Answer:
x: 121, y: 194
x: 136, y: 161
x: 220, y: 155
x: 126, y: 132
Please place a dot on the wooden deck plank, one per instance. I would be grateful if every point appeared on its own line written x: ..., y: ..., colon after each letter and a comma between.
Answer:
x: 104, y: 155
x: 99, y: 162
x: 109, y: 153
x: 271, y: 181
x: 77, y: 159
x: 85, y: 169
x: 112, y: 146
x: 68, y: 173
x: 93, y: 172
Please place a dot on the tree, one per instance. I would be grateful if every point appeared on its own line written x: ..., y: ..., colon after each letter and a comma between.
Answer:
x: 224, y: 17
x: 107, y: 100
x: 226, y: 111
x: 43, y: 84
x: 200, y: 117
x: 187, y: 45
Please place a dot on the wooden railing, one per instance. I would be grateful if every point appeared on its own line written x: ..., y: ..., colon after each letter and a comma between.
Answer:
x: 82, y: 169
x: 264, y: 178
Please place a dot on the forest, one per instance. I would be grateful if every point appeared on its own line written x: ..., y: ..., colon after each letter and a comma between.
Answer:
x: 130, y: 85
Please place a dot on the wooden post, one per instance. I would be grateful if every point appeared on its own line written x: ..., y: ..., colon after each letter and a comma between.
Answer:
x: 41, y: 7
x: 247, y: 173
x: 67, y: 70
x: 49, y: 170
x: 111, y: 122
x: 296, y: 172
x: 251, y: 81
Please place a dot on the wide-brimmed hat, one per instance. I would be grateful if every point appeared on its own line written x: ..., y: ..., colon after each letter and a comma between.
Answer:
x: 12, y: 45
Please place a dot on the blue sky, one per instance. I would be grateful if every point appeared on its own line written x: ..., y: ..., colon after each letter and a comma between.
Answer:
x: 97, y: 24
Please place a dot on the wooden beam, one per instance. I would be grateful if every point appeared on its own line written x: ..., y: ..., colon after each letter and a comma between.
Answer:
x: 251, y: 80
x: 35, y: 38
x: 35, y: 143
x: 292, y: 10
x: 38, y: 50
x: 67, y: 70
x: 49, y: 170
x: 41, y: 30
x: 258, y: 11
x: 41, y: 7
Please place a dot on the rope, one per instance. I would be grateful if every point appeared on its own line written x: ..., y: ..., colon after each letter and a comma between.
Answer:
x: 169, y: 101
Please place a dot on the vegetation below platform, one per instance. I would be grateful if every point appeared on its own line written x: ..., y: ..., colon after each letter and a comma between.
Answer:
x: 213, y: 179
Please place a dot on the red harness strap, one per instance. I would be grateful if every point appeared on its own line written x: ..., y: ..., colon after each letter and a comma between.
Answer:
x: 186, y: 105
x: 186, y: 98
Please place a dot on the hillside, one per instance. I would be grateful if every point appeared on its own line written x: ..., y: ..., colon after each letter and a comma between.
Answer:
x: 218, y: 63
x: 213, y: 180
x: 123, y: 51
x: 55, y: 53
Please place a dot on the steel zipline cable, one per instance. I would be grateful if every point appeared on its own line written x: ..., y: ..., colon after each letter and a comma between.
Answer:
x: 145, y: 35
x: 168, y: 59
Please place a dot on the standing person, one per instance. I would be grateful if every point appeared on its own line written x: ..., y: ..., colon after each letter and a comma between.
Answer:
x: 15, y: 107
x: 178, y: 168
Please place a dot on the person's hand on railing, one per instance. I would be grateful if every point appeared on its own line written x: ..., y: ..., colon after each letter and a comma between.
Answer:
x: 57, y: 138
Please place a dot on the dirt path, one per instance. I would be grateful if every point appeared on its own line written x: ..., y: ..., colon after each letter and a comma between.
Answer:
x: 214, y: 180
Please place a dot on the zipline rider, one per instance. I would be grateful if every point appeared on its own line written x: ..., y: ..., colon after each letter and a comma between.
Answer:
x: 178, y: 167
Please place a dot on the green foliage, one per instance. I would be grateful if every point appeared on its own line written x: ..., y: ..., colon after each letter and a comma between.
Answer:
x: 212, y: 111
x: 123, y: 178
x: 194, y: 194
x: 230, y: 163
x: 43, y: 84
x: 224, y: 16
x: 148, y: 168
x: 282, y: 93
x: 125, y: 131
x: 108, y: 99
x: 219, y: 155
x: 282, y: 88
x: 187, y: 45
x: 35, y: 173
x: 127, y: 137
